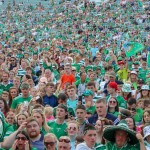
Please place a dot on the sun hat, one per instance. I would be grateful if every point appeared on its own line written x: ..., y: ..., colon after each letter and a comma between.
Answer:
x: 109, y: 132
x: 88, y: 92
x: 146, y: 131
x: 113, y: 85
x: 133, y: 72
x: 126, y: 88
x: 145, y: 87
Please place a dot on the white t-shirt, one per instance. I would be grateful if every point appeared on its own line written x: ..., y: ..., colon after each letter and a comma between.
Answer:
x: 83, y: 146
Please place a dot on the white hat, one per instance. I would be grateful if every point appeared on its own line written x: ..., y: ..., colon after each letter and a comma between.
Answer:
x: 145, y: 87
x: 146, y: 131
x: 133, y: 72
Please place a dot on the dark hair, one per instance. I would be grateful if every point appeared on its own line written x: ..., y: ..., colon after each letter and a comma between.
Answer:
x: 27, y: 137
x: 91, y: 84
x: 6, y: 108
x: 10, y: 97
x: 148, y: 111
x: 131, y: 101
x: 117, y: 106
x: 134, y: 128
x: 80, y: 107
x: 79, y: 139
x: 146, y: 103
x: 62, y: 96
x: 88, y: 127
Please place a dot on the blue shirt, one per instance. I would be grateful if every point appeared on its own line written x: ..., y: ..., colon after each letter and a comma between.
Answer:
x: 50, y: 100
x: 39, y: 144
x: 109, y: 116
x: 94, y: 50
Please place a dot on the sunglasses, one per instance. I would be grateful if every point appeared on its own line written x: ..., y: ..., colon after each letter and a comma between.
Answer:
x: 49, y: 143
x: 74, y: 128
x: 12, y: 60
x: 132, y: 109
x: 21, y: 138
x: 112, y: 102
x: 64, y: 140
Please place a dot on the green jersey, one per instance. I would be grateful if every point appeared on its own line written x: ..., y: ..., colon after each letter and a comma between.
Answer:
x: 18, y: 100
x: 5, y: 128
x: 5, y: 87
x: 91, y: 109
x: 58, y: 129
x: 113, y: 146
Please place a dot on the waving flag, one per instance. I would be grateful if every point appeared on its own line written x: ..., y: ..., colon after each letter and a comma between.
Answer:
x: 132, y: 48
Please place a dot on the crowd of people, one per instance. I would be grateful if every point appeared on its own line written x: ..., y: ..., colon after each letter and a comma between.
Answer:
x: 75, y: 75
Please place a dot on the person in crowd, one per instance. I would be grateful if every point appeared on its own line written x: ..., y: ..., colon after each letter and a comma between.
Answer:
x: 146, y: 116
x: 40, y: 117
x: 22, y: 141
x: 121, y: 137
x: 33, y: 131
x: 101, y: 109
x: 59, y: 125
x: 89, y: 136
x: 50, y: 141
x: 136, y: 113
x: 25, y: 97
x: 113, y: 107
x: 50, y: 99
x: 64, y: 143
x: 3, y: 106
x: 131, y: 123
x: 81, y: 121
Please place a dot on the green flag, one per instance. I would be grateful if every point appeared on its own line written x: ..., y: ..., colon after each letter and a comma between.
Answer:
x: 133, y: 48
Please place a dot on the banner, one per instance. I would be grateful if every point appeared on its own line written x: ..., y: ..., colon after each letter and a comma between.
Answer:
x: 132, y: 48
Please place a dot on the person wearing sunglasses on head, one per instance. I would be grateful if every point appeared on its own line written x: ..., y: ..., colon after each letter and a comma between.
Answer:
x: 50, y: 141
x: 64, y: 143
x: 22, y: 142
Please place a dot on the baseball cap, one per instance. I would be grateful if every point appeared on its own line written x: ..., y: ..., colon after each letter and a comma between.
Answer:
x: 113, y: 85
x: 87, y: 93
x: 133, y: 72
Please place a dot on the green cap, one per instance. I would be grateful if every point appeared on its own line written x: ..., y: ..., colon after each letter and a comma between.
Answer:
x: 88, y: 93
x: 136, y: 63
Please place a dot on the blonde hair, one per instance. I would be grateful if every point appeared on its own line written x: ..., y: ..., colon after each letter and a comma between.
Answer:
x: 44, y: 124
x: 48, y: 110
x: 50, y: 136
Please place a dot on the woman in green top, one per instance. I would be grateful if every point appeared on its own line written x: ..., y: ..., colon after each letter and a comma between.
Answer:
x: 113, y: 106
x: 22, y: 142
x: 39, y: 115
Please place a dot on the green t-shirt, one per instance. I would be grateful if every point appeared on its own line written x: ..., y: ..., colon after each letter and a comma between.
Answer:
x: 142, y: 74
x: 5, y: 128
x: 112, y: 146
x: 43, y: 131
x: 79, y: 81
x: 116, y: 113
x: 91, y: 109
x: 138, y: 116
x: 6, y: 87
x: 99, y: 146
x: 18, y: 100
x: 121, y: 102
x: 58, y: 129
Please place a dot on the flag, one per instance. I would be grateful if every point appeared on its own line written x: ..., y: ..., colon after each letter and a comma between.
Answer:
x: 132, y: 48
